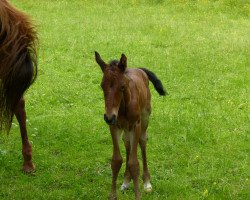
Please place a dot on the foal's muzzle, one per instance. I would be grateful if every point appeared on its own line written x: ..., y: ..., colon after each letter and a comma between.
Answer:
x: 110, y: 121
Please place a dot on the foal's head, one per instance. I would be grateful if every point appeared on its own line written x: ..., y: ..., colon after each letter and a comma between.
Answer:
x: 114, y: 84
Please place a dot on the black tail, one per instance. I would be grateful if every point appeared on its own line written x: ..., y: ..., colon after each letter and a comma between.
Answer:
x: 156, y: 82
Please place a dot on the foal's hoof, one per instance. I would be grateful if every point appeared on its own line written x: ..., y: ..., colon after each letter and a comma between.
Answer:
x: 147, y: 187
x: 124, y: 186
x: 28, y: 167
x: 112, y: 197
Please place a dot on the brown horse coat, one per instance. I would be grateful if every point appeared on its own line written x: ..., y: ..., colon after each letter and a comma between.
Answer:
x: 127, y: 109
x: 18, y: 70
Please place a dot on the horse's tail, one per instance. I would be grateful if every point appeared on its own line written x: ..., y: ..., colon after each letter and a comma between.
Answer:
x: 18, y: 60
x: 156, y: 82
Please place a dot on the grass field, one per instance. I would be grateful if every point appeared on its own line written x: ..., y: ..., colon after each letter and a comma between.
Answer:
x: 198, y: 135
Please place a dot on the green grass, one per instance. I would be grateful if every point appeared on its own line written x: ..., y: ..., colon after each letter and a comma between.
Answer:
x: 198, y: 135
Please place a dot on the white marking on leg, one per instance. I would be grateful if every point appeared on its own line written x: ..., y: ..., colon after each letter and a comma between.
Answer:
x: 124, y: 186
x: 147, y: 187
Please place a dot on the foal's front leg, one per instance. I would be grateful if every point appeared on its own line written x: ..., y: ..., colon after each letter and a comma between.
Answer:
x: 20, y: 113
x: 133, y: 162
x: 127, y: 176
x: 116, y: 162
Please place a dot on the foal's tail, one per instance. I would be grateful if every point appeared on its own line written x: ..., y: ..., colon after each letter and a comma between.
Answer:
x: 18, y: 60
x: 156, y: 82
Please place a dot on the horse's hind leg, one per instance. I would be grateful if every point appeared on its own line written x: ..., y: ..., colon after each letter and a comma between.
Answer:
x: 26, y: 146
x: 143, y: 143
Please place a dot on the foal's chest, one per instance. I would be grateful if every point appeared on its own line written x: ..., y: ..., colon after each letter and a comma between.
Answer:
x: 122, y: 122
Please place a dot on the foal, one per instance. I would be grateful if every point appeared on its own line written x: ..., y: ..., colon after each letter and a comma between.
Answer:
x: 127, y: 108
x: 18, y: 69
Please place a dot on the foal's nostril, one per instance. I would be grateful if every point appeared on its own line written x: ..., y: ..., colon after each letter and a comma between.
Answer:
x: 112, y: 120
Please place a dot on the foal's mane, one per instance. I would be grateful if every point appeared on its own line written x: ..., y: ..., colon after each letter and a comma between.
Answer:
x: 113, y: 64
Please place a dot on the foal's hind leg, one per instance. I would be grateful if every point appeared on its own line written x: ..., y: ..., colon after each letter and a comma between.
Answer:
x: 20, y: 113
x: 143, y: 143
x: 146, y: 175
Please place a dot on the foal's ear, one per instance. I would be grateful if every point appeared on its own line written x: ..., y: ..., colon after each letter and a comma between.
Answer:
x: 99, y: 60
x: 123, y: 63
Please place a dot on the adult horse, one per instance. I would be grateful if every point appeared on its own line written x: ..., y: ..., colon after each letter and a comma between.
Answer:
x: 127, y: 108
x: 18, y: 70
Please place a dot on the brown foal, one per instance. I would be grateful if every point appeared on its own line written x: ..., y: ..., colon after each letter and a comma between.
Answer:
x: 127, y: 108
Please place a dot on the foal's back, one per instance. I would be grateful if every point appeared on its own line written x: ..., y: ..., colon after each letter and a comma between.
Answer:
x: 139, y: 87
